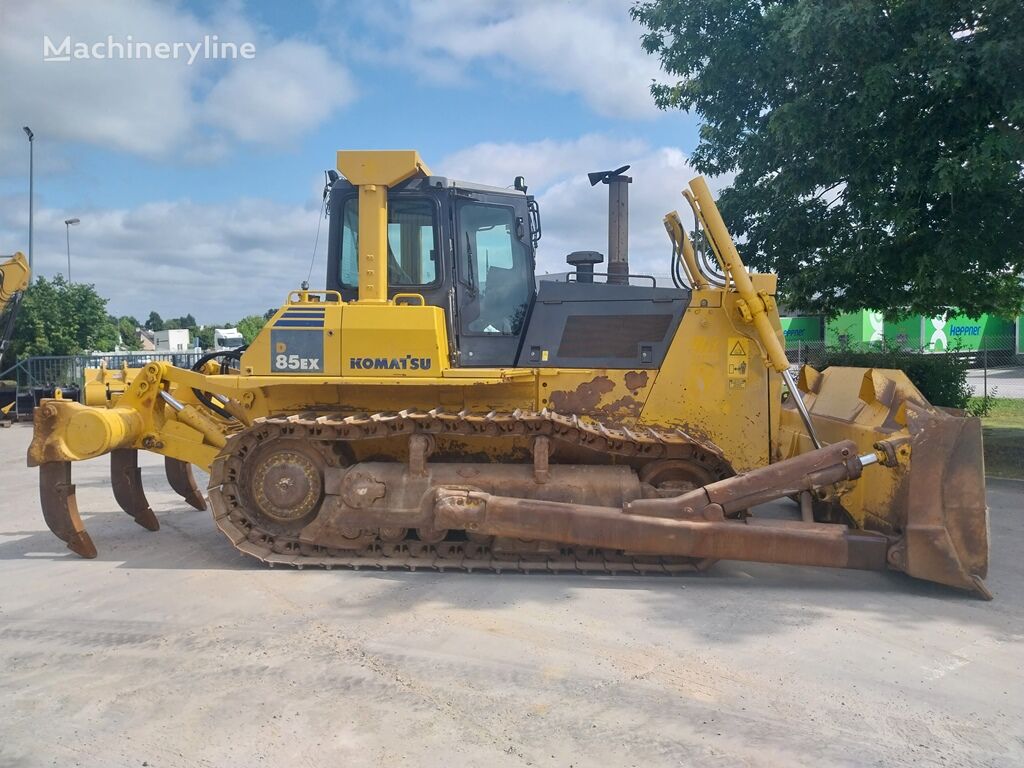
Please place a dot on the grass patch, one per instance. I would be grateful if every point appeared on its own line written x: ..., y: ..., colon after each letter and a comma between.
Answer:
x: 1003, y: 430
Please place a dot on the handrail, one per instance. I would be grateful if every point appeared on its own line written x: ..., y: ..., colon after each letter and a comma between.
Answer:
x: 570, y: 275
x: 310, y: 296
x: 414, y: 296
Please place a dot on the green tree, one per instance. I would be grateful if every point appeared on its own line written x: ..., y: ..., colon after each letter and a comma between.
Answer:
x: 127, y: 329
x: 58, y: 318
x: 250, y: 326
x: 106, y: 337
x: 155, y: 322
x: 186, y: 321
x: 205, y: 336
x: 877, y: 145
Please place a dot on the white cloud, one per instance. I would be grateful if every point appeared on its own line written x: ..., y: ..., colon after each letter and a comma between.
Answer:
x: 591, y: 49
x: 282, y: 93
x: 219, y: 262
x: 573, y: 213
x: 541, y: 162
x: 154, y: 107
x: 137, y: 106
x: 223, y: 261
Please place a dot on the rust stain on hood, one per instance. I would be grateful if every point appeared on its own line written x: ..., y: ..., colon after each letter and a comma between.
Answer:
x: 636, y: 380
x: 585, y: 398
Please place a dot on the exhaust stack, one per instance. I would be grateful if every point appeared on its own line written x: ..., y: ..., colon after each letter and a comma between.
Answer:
x: 618, y: 221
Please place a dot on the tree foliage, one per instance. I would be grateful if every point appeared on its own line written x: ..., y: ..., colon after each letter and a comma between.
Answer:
x: 58, y: 318
x: 204, y: 334
x: 127, y: 328
x: 877, y: 145
x: 61, y: 318
x: 174, y: 323
x: 250, y: 326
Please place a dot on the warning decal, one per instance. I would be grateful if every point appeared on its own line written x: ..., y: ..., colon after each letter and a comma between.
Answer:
x: 737, y: 363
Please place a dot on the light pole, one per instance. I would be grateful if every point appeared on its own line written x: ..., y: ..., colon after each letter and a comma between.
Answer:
x: 67, y: 231
x: 31, y: 190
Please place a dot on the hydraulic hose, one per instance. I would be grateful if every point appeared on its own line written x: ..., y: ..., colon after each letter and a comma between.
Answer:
x: 204, y: 397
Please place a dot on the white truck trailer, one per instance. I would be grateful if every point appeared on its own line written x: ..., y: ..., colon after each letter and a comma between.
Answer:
x: 227, y: 338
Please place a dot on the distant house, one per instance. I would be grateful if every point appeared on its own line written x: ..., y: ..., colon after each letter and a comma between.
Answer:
x: 172, y: 340
x: 146, y: 340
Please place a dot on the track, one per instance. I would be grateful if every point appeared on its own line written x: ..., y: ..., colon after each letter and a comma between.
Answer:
x: 334, y: 434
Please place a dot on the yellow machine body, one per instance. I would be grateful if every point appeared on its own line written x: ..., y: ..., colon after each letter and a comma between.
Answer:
x: 688, y: 392
x: 14, y: 279
x: 719, y: 399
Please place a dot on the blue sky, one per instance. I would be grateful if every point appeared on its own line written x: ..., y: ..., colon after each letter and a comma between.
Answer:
x: 197, y: 185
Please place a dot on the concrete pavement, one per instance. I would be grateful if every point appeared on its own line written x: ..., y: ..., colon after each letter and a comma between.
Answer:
x: 1001, y: 382
x: 171, y: 650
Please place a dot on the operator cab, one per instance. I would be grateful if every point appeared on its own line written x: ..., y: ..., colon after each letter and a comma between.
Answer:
x: 469, y: 249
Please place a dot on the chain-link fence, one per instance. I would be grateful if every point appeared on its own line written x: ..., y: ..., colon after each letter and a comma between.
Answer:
x: 25, y: 383
x: 995, y: 366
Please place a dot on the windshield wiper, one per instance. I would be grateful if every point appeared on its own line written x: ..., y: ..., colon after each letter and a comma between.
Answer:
x: 470, y: 274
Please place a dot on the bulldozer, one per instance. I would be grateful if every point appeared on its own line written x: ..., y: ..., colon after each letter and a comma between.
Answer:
x: 14, y: 280
x: 434, y: 405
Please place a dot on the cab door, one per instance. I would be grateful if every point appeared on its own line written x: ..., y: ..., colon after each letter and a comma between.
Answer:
x: 494, y: 278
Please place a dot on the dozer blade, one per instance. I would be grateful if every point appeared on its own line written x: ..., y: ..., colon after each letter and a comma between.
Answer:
x: 126, y: 480
x: 179, y: 475
x: 934, y: 503
x: 947, y: 518
x: 60, y: 509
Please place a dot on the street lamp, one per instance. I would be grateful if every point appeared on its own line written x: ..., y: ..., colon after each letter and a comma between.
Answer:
x: 67, y: 231
x: 31, y: 195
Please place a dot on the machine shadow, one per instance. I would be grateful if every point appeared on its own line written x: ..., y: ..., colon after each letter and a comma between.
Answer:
x: 703, y: 604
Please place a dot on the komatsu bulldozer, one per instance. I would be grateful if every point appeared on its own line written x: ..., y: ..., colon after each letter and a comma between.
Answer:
x: 434, y: 406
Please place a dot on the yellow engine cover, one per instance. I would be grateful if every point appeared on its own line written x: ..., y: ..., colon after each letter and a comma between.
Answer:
x: 318, y: 335
x: 393, y: 340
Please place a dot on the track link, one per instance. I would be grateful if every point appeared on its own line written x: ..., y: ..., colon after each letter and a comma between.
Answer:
x: 331, y: 432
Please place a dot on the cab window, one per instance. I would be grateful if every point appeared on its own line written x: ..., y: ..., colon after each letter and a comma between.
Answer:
x: 495, y: 270
x: 412, y: 243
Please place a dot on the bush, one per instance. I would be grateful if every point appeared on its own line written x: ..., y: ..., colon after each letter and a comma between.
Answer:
x: 941, y: 376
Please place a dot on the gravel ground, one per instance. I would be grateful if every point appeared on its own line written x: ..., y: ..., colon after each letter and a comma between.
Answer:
x: 172, y: 650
